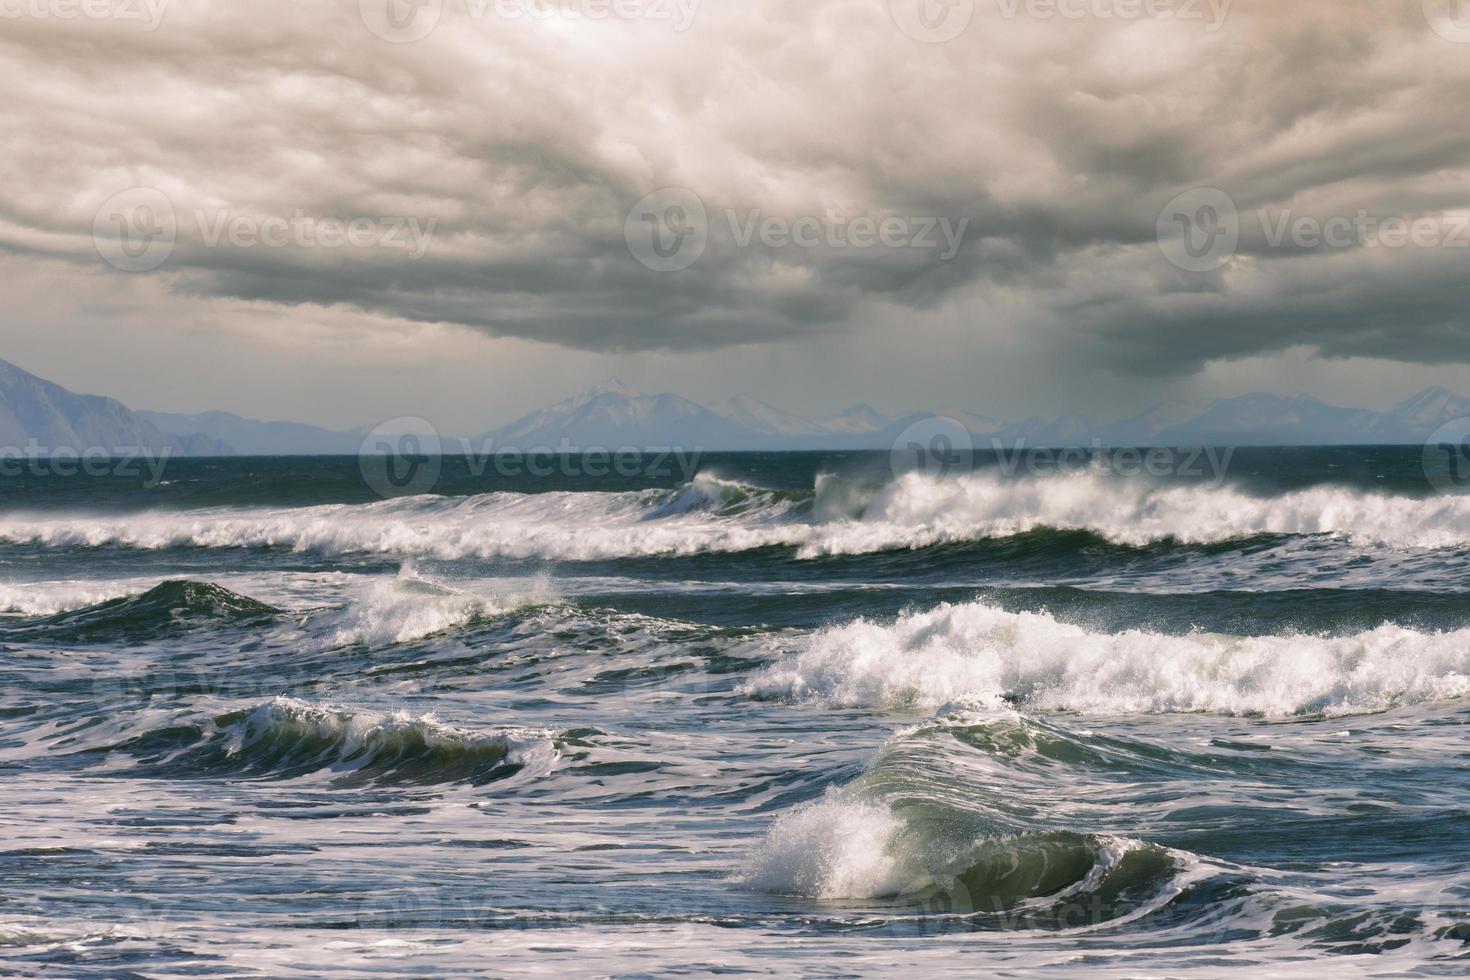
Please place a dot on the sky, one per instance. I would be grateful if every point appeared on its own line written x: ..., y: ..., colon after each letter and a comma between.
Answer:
x: 351, y: 210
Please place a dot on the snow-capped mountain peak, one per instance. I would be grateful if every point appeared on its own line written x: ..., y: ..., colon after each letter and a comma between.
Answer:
x: 760, y: 416
x: 859, y: 419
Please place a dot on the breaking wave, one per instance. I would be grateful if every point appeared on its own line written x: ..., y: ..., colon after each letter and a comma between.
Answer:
x: 846, y: 847
x: 980, y: 652
x: 50, y: 598
x: 409, y: 607
x: 915, y: 829
x: 837, y: 517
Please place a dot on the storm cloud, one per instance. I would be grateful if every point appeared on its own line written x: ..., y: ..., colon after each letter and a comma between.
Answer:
x: 691, y: 175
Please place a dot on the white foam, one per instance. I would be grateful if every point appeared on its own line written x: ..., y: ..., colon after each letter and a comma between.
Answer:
x: 920, y: 511
x: 407, y: 608
x: 836, y: 847
x: 976, y: 651
x: 50, y: 598
x: 712, y: 515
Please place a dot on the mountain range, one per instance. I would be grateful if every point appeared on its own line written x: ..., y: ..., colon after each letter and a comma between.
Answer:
x: 38, y: 417
x: 613, y: 416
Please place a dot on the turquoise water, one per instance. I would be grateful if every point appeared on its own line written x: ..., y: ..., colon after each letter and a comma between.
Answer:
x: 791, y: 714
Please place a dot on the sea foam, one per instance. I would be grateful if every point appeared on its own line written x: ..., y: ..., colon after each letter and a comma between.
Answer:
x: 410, y: 607
x: 976, y: 651
x: 838, y: 517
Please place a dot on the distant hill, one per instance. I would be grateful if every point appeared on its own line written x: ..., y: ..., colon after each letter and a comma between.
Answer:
x: 40, y: 418
x: 860, y: 419
x: 1275, y: 420
x: 252, y: 438
x: 612, y: 416
x: 767, y: 419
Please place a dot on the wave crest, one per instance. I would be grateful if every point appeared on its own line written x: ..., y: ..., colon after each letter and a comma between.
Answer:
x: 409, y: 608
x: 977, y: 651
x: 173, y: 605
x: 845, y: 847
x: 837, y: 517
x: 287, y: 738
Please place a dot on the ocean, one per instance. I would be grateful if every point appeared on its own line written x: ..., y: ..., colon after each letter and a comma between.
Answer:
x: 793, y: 714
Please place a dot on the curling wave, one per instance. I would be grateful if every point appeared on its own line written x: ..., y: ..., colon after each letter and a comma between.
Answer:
x: 846, y: 847
x: 287, y: 738
x: 914, y: 828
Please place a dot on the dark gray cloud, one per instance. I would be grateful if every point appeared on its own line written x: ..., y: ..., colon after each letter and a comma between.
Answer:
x: 525, y: 145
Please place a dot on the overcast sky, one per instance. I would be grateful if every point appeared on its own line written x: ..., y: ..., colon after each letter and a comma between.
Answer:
x: 347, y: 210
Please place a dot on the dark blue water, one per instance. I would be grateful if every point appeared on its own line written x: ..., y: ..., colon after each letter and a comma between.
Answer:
x: 775, y: 713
